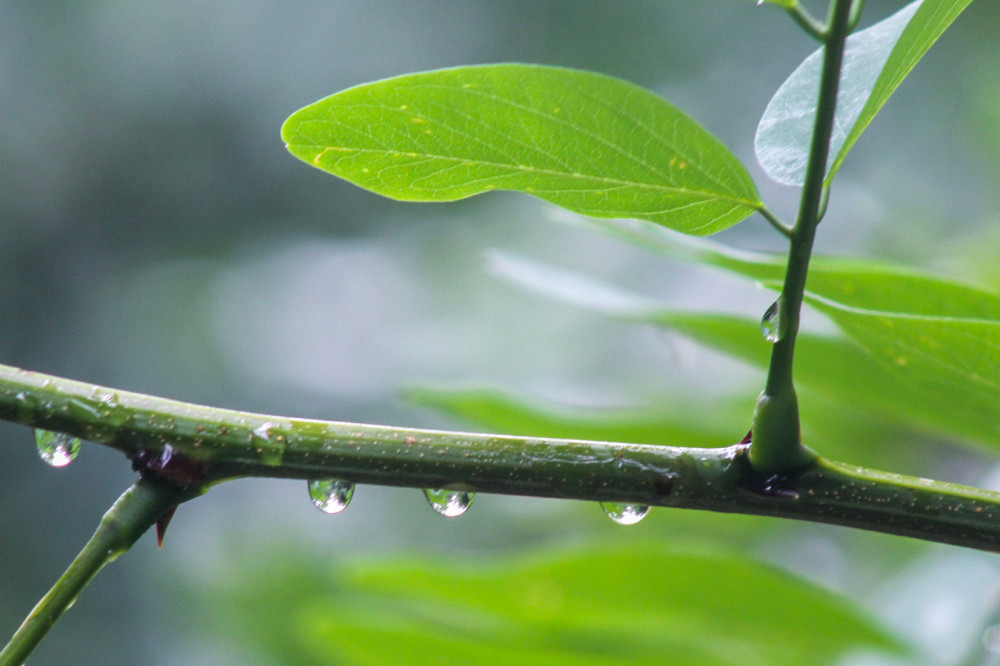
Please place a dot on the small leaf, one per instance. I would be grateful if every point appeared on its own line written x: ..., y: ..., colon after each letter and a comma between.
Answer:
x: 587, y: 142
x: 876, y: 61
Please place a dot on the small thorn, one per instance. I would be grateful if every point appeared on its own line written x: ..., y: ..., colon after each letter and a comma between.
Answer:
x: 161, y: 524
x: 748, y: 438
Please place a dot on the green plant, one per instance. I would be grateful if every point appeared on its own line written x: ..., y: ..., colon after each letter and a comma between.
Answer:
x: 931, y: 334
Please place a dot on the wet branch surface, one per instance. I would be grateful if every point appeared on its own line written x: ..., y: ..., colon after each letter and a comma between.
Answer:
x: 193, y: 446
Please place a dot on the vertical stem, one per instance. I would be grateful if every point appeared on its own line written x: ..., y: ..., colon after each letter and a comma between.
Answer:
x: 128, y: 518
x: 777, y: 445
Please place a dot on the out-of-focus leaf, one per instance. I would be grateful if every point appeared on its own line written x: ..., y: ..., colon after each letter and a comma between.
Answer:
x: 635, y: 604
x: 641, y: 605
x: 859, y: 283
x: 671, y: 423
x: 839, y: 430
x: 951, y: 362
x: 590, y: 143
x: 940, y: 388
x: 876, y: 61
x: 849, y: 373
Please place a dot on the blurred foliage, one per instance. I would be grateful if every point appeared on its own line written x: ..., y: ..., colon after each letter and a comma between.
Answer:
x: 156, y: 236
x: 637, y: 604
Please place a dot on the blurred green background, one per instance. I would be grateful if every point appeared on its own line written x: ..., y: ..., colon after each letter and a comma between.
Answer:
x: 155, y: 236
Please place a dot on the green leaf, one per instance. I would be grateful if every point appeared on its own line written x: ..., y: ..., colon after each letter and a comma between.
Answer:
x: 640, y: 605
x: 876, y: 61
x: 841, y: 430
x: 927, y: 25
x: 951, y: 361
x: 673, y: 422
x: 940, y: 386
x: 587, y: 142
x: 637, y: 603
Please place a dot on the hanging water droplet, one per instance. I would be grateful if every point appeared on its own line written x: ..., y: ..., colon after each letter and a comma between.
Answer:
x: 449, y: 503
x: 330, y: 495
x: 56, y: 448
x: 625, y: 514
x: 770, y: 325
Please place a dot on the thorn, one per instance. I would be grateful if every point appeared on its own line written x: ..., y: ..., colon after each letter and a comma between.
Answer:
x: 161, y: 524
x: 748, y: 438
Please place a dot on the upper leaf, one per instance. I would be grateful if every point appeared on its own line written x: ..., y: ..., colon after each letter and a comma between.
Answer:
x: 876, y: 61
x: 587, y: 142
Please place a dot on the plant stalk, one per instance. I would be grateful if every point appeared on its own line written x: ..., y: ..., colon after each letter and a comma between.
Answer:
x: 128, y: 519
x: 189, y: 443
x: 777, y: 443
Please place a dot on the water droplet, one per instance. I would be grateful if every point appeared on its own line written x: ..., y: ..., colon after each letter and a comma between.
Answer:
x: 770, y: 325
x: 449, y: 503
x: 56, y: 448
x: 330, y: 495
x: 625, y: 514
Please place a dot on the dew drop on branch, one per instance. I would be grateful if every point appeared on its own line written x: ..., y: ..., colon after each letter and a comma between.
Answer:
x: 625, y: 514
x: 770, y: 325
x: 56, y: 448
x: 330, y: 495
x: 449, y: 503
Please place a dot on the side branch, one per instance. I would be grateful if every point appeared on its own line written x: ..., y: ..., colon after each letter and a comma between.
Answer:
x: 128, y: 519
x: 192, y: 445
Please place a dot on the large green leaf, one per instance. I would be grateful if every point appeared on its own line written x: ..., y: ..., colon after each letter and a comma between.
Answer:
x: 876, y: 61
x: 590, y: 143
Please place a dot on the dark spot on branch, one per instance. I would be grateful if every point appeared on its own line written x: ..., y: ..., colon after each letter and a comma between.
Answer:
x: 170, y: 465
x: 663, y: 486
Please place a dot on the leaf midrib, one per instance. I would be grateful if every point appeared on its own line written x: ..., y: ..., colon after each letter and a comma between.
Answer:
x: 530, y: 169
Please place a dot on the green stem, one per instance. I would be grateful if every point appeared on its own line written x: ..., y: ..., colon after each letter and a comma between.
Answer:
x: 188, y: 441
x: 128, y: 519
x: 806, y: 21
x: 776, y: 222
x: 777, y: 445
x: 856, y: 9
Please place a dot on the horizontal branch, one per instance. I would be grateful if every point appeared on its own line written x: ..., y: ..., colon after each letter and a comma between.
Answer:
x: 197, y: 446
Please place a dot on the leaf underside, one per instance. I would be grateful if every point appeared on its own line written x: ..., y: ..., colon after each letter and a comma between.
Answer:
x: 876, y: 60
x: 587, y: 142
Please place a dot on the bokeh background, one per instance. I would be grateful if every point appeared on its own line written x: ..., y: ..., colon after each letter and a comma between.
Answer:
x: 155, y: 236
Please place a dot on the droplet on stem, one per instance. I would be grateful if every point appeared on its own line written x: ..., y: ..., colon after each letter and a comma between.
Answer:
x: 625, y: 514
x: 330, y: 495
x: 771, y: 325
x: 449, y: 503
x: 56, y: 448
